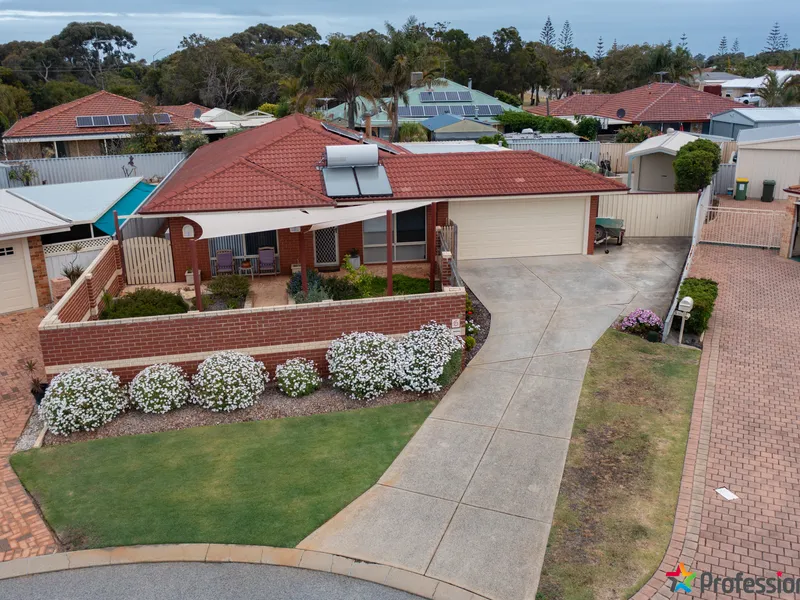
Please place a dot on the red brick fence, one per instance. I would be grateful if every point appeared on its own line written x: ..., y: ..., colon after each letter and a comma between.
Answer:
x: 271, y: 334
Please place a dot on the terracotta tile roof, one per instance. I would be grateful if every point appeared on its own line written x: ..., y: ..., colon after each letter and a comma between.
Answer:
x: 275, y: 166
x: 793, y: 189
x: 656, y: 102
x: 184, y: 110
x: 60, y: 120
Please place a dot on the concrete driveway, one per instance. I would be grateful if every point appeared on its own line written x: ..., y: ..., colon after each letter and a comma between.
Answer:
x: 470, y: 499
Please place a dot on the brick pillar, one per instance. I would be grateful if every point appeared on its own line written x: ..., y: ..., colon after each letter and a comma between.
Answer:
x: 181, y: 252
x: 788, y: 229
x: 593, y: 207
x: 39, y: 269
x: 93, y: 293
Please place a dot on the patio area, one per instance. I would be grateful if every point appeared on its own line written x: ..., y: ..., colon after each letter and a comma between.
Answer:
x: 270, y: 290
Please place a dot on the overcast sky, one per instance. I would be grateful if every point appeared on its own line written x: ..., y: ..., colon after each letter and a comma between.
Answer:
x: 159, y: 25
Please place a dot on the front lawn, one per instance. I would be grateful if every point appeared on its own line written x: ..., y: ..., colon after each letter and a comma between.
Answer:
x: 616, y: 506
x: 267, y: 482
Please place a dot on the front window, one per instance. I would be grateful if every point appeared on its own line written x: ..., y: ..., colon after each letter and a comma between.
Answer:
x: 408, y: 232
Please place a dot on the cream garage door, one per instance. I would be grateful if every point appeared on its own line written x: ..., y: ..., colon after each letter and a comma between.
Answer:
x: 15, y: 289
x: 505, y: 228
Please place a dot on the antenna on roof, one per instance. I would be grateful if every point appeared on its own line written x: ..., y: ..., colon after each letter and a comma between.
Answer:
x: 197, y: 113
x: 621, y: 113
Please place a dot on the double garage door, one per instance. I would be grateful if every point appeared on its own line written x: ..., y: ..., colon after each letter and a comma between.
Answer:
x: 15, y: 286
x: 507, y: 228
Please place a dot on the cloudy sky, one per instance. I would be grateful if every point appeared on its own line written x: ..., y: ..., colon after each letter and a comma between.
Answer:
x: 159, y: 25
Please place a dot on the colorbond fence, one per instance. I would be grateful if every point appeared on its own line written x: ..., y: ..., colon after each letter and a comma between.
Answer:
x: 652, y: 215
x: 94, y: 168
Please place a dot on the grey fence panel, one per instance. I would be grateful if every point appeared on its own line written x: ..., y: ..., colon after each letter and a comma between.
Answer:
x: 136, y: 227
x: 94, y: 168
x: 724, y: 178
x: 570, y: 152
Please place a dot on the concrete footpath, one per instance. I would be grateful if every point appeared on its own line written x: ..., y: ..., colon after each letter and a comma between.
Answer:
x: 470, y: 499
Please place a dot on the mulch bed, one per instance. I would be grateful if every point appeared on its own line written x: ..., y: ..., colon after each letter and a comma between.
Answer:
x: 483, y: 318
x: 272, y: 405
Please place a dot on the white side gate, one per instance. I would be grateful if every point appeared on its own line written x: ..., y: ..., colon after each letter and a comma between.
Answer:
x: 742, y: 227
x: 148, y: 260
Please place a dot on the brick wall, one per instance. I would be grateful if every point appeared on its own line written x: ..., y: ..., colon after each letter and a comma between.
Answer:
x: 271, y: 334
x: 181, y: 249
x: 593, y: 207
x: 85, y: 298
x: 39, y: 268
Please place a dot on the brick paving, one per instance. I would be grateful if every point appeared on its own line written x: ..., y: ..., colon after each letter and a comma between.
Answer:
x: 23, y: 533
x: 745, y: 432
x: 754, y: 223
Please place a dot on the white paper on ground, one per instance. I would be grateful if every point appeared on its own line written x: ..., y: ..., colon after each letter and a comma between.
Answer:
x: 726, y: 493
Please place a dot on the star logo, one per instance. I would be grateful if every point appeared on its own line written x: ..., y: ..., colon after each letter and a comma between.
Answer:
x: 681, y: 579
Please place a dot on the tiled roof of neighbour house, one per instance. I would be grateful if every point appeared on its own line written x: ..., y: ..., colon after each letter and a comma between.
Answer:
x: 656, y: 102
x: 275, y: 166
x: 184, y: 110
x: 60, y: 120
x: 793, y: 189
x: 272, y: 166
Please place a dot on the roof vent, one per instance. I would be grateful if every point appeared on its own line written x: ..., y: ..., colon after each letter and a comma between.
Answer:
x: 527, y: 130
x: 352, y: 156
x: 670, y: 130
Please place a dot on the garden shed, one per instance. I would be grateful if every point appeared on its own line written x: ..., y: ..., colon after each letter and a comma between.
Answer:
x: 452, y: 127
x: 652, y: 162
x: 731, y: 122
x: 770, y: 153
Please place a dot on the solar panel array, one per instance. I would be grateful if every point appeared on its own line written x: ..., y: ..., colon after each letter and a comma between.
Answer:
x: 462, y: 110
x: 119, y: 120
x: 352, y: 182
x: 445, y: 97
x: 353, y: 135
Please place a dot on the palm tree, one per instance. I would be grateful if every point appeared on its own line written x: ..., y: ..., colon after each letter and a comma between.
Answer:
x: 779, y: 93
x: 297, y: 94
x: 343, y: 70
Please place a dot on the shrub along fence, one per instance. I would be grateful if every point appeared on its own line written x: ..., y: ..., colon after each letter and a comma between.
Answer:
x: 271, y: 334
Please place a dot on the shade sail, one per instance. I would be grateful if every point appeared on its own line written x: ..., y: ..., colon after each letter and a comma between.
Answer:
x: 239, y: 222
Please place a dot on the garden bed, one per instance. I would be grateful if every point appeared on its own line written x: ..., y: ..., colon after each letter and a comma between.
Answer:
x: 271, y: 405
x: 483, y: 318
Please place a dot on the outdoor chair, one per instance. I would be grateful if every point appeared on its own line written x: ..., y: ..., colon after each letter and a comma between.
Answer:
x: 266, y: 261
x: 224, y: 262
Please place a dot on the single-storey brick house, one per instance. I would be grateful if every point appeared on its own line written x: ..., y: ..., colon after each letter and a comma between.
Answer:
x: 504, y: 203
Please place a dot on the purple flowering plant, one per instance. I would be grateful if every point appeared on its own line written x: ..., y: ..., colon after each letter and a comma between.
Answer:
x: 640, y: 322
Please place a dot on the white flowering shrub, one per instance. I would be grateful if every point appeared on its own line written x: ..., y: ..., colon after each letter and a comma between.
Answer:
x: 422, y: 356
x: 362, y: 364
x: 228, y: 380
x: 159, y: 389
x: 297, y: 377
x: 81, y: 399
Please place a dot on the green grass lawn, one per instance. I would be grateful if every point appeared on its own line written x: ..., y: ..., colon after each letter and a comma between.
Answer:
x: 616, y: 506
x: 267, y: 482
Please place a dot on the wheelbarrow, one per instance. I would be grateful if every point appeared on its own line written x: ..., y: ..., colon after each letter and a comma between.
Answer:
x: 605, y: 228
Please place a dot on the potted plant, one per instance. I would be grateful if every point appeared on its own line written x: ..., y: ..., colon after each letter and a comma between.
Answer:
x: 38, y: 387
x: 190, y: 276
x: 353, y: 258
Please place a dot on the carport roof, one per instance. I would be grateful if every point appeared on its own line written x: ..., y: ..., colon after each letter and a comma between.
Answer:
x: 19, y: 218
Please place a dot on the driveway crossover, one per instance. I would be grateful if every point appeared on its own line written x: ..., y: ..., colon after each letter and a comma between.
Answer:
x: 470, y: 499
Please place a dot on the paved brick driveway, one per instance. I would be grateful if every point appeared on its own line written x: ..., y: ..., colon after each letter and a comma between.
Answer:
x: 745, y: 429
x: 22, y: 531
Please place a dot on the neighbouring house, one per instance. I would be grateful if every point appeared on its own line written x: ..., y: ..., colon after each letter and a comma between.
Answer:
x: 731, y: 122
x: 660, y: 106
x: 425, y: 101
x: 23, y: 273
x: 769, y: 153
x: 267, y: 186
x: 226, y: 120
x: 652, y: 160
x: 94, y: 125
x: 736, y: 88
x: 711, y: 78
x: 65, y: 224
x: 450, y: 127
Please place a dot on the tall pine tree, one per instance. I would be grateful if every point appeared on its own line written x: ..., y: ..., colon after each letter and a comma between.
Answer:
x: 548, y: 36
x: 735, y: 47
x: 684, y: 43
x: 599, y: 52
x: 565, y: 39
x: 723, y: 46
x: 774, y: 39
x: 785, y: 42
x: 614, y: 46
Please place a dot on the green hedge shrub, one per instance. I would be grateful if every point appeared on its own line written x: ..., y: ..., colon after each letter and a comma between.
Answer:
x: 587, y: 128
x: 230, y: 289
x: 695, y: 165
x: 635, y: 134
x: 518, y: 120
x: 704, y: 293
x: 508, y: 98
x: 145, y: 302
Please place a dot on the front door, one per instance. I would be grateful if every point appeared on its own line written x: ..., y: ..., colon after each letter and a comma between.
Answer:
x: 326, y: 247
